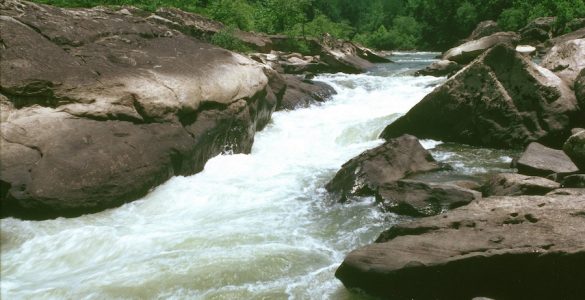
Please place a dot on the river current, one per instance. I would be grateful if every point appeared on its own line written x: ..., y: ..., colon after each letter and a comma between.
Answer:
x: 257, y: 226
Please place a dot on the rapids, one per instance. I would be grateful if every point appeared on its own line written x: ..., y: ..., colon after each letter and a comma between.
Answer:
x: 257, y: 226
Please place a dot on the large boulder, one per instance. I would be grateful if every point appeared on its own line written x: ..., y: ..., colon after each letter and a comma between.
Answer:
x: 483, y: 29
x: 511, y: 184
x: 301, y: 93
x: 574, y: 147
x: 466, y: 52
x: 526, y: 247
x: 420, y: 199
x: 538, y: 30
x: 539, y: 160
x: 566, y: 60
x: 501, y: 100
x: 101, y: 105
x: 391, y: 161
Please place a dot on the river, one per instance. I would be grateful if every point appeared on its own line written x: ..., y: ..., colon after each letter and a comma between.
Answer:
x: 257, y: 226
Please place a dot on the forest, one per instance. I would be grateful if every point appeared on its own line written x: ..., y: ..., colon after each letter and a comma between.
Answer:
x: 380, y: 24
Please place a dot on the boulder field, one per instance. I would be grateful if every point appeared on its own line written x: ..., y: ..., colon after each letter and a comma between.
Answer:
x: 101, y: 105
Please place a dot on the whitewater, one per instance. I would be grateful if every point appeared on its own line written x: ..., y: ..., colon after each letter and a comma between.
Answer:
x: 256, y: 226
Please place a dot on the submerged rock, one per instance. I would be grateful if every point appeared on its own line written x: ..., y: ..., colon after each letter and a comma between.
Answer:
x: 97, y: 115
x: 418, y: 199
x: 497, y: 247
x: 466, y: 52
x: 510, y: 184
x: 538, y: 160
x: 501, y: 100
x: 391, y: 161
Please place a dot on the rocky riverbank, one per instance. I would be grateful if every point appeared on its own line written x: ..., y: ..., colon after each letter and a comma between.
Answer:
x: 516, y: 235
x: 101, y: 105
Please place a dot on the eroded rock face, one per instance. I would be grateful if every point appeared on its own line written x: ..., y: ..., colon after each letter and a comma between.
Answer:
x: 419, y: 199
x: 99, y: 106
x: 539, y: 160
x: 580, y: 93
x: 394, y: 160
x: 510, y: 184
x: 301, y: 93
x: 501, y: 100
x: 566, y: 60
x: 538, y: 30
x: 527, y: 247
x: 466, y: 52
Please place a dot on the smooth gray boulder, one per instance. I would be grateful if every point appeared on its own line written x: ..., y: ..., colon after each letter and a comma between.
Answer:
x: 466, y: 52
x: 94, y: 116
x: 526, y: 247
x: 539, y: 160
x: 566, y: 60
x: 511, y: 184
x: 391, y: 161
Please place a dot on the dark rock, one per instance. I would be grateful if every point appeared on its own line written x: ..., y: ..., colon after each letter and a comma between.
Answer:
x: 418, y: 199
x: 301, y: 93
x: 497, y: 247
x: 501, y: 100
x: 538, y: 30
x: 576, y: 24
x: 568, y: 192
x: 394, y: 160
x: 574, y: 181
x: 538, y: 160
x: 483, y: 29
x: 465, y: 53
x: 566, y: 60
x: 440, y: 68
x: 509, y: 184
x: 574, y: 147
x: 580, y: 93
x: 95, y: 115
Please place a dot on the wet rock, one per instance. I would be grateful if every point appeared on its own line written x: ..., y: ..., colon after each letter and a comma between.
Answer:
x: 99, y: 114
x: 418, y: 199
x: 501, y: 100
x: 497, y: 247
x: 566, y: 60
x: 483, y: 29
x: 391, y: 161
x: 574, y: 181
x: 574, y: 147
x: 440, y: 68
x: 301, y: 93
x: 539, y: 160
x: 465, y: 53
x: 510, y: 184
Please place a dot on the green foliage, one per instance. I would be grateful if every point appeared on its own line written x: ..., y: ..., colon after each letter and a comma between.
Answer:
x: 383, y: 24
x: 226, y: 39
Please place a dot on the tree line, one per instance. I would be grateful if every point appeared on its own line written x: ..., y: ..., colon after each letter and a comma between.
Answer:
x: 380, y: 24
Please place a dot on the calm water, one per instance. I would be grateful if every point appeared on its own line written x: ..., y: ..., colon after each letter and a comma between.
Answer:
x: 256, y: 226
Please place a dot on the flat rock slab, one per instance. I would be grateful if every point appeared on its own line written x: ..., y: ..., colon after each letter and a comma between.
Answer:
x: 526, y: 247
x: 391, y: 161
x: 418, y: 199
x: 539, y: 160
x: 510, y: 184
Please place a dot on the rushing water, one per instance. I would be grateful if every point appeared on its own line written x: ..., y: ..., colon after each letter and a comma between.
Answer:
x: 256, y: 226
